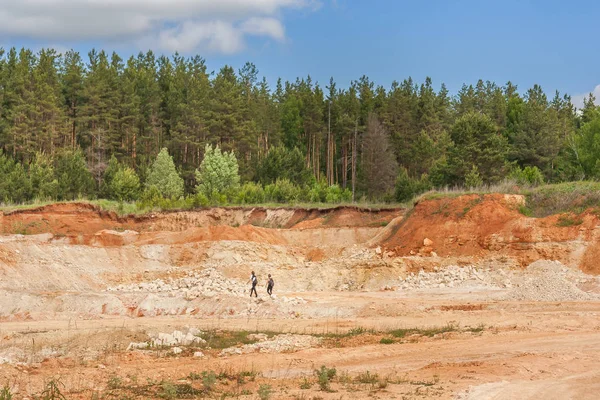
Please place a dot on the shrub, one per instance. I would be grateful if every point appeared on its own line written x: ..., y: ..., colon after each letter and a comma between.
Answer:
x: 209, y: 379
x: 406, y: 187
x: 52, y: 391
x: 282, y: 191
x: 264, y: 392
x: 473, y: 179
x: 324, y: 377
x: 527, y: 176
x: 5, y: 393
x: 251, y: 193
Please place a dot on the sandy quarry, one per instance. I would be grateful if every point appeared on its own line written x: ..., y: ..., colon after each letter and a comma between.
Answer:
x: 459, y: 298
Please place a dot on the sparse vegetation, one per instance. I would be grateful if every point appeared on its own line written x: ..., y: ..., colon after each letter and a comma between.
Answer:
x: 5, y: 393
x: 52, y: 390
x: 324, y: 377
x: 264, y: 392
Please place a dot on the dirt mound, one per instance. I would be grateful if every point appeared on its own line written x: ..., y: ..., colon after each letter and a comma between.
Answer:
x: 480, y: 226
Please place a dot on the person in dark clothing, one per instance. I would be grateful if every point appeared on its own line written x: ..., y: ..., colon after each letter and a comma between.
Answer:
x: 254, y: 282
x: 270, y: 284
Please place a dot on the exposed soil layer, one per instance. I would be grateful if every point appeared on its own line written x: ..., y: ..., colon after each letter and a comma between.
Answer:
x: 458, y: 298
x: 87, y: 219
x: 485, y: 226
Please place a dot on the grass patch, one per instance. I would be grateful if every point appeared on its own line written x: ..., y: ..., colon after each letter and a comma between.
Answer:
x: 566, y: 220
x: 387, y: 341
x: 569, y: 197
x: 367, y: 378
x: 428, y: 332
x: 218, y: 339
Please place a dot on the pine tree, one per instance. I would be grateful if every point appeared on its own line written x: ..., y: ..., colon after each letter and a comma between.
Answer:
x: 74, y: 178
x: 476, y: 144
x: 44, y: 185
x: 125, y: 184
x: 379, y: 166
x: 164, y: 176
x: 72, y: 91
x: 218, y: 172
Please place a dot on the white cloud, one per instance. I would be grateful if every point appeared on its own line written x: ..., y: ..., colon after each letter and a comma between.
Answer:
x: 578, y: 99
x: 183, y: 25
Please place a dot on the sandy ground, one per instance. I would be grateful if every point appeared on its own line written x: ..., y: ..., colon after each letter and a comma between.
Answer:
x: 525, y: 350
x: 73, y: 301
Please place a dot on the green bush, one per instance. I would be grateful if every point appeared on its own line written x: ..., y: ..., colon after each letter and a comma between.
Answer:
x: 407, y: 187
x: 282, y: 191
x: 5, y: 393
x: 324, y: 377
x: 251, y: 193
x: 527, y: 176
x: 264, y: 392
x: 473, y: 179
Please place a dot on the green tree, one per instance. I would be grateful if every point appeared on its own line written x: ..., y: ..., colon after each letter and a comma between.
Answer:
x: 109, y: 173
x: 125, y: 184
x: 14, y: 185
x: 44, y: 184
x: 379, y: 166
x: 74, y: 178
x: 284, y: 163
x: 476, y: 143
x: 218, y: 172
x: 164, y: 176
x: 472, y: 178
x: 588, y: 148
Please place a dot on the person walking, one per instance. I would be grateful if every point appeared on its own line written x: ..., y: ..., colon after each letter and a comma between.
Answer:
x: 254, y: 282
x: 270, y: 284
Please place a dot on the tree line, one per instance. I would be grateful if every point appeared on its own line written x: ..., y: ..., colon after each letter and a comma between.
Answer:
x: 73, y: 127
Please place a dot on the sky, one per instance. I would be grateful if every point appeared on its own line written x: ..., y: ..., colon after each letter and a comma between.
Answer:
x: 551, y: 43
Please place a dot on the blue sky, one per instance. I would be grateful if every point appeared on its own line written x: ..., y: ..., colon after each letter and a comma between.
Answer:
x: 552, y: 43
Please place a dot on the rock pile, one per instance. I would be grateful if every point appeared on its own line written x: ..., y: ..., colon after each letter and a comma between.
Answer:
x: 551, y: 281
x: 452, y: 276
x: 207, y: 283
x: 277, y: 344
x: 177, y: 338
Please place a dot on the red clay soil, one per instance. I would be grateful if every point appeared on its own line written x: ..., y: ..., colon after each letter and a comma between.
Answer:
x: 488, y: 225
x: 76, y: 219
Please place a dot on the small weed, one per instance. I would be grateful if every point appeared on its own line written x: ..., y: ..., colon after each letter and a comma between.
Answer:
x: 306, y: 384
x: 168, y: 390
x: 382, y: 384
x: 264, y: 392
x: 241, y: 377
x: 386, y: 341
x: 324, y: 377
x: 209, y: 379
x: 114, y: 382
x: 479, y: 328
x: 367, y: 377
x: 193, y: 376
x: 5, y: 393
x: 52, y: 390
